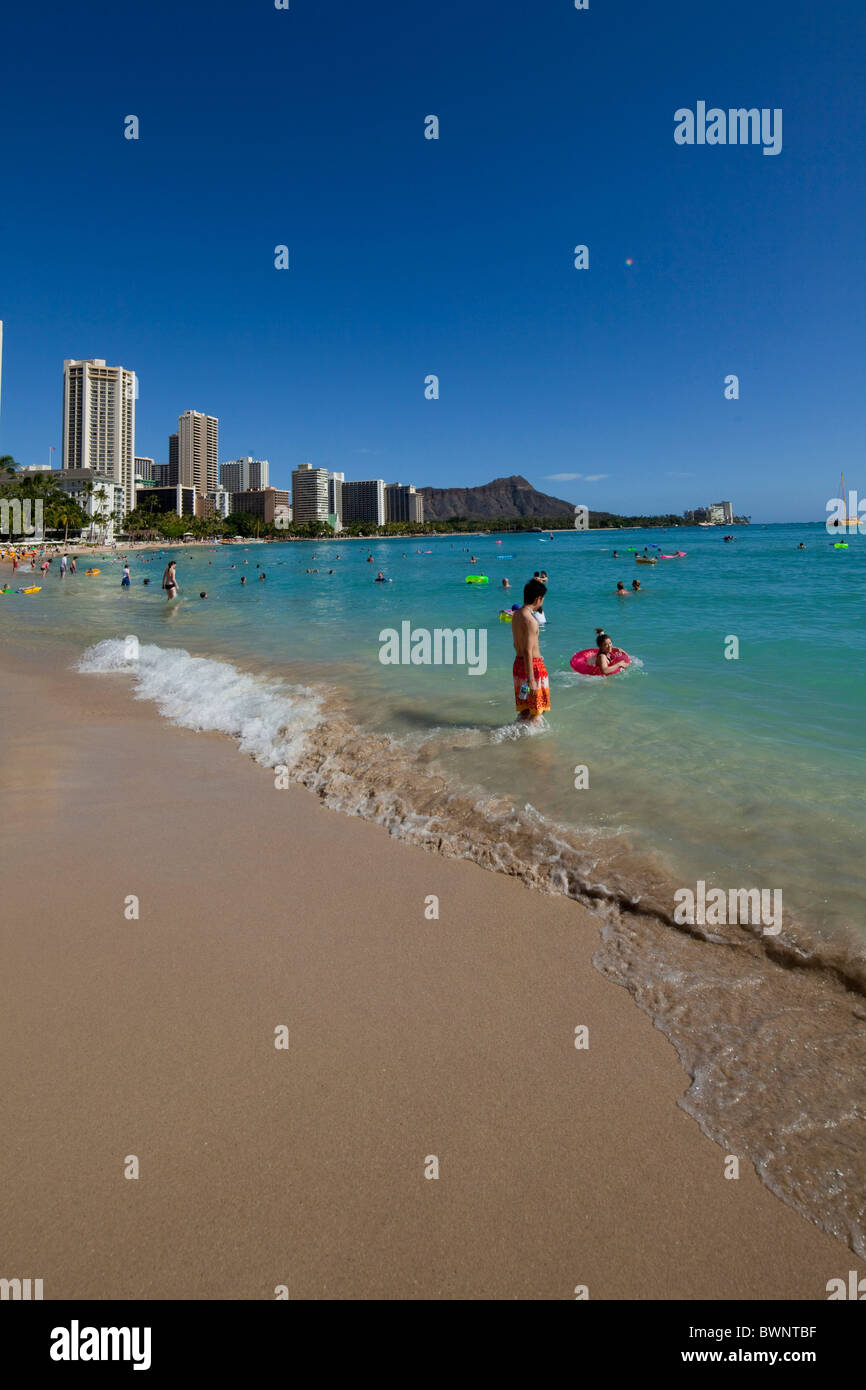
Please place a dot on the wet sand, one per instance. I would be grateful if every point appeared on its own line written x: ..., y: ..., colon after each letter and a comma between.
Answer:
x: 408, y: 1038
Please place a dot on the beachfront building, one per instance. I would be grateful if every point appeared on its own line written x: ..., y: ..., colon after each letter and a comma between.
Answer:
x: 219, y: 502
x: 335, y: 496
x: 403, y: 503
x: 197, y: 451
x: 99, y: 421
x: 144, y: 468
x: 178, y: 499
x: 100, y: 498
x: 309, y: 494
x: 262, y: 502
x: 364, y: 501
x: 245, y: 474
x: 717, y: 514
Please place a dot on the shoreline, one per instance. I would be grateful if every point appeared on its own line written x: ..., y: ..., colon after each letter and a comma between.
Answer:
x: 451, y: 1033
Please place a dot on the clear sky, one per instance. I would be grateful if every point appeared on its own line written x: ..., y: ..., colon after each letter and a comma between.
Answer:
x: 261, y: 127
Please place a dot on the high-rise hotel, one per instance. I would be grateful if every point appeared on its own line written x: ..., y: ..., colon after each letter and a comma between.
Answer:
x: 309, y: 494
x: 197, y: 451
x: 99, y: 422
x: 245, y: 474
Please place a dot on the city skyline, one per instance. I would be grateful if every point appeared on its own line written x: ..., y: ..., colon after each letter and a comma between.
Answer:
x: 195, y: 459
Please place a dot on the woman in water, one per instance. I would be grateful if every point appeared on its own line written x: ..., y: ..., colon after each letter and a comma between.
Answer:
x: 169, y: 580
x: 602, y: 656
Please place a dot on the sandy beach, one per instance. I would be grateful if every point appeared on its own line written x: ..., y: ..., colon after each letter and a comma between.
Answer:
x: 409, y: 1038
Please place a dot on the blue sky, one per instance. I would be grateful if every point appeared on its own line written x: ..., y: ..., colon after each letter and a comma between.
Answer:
x: 305, y: 127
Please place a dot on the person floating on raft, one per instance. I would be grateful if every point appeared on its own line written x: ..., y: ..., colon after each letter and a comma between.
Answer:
x: 604, y: 660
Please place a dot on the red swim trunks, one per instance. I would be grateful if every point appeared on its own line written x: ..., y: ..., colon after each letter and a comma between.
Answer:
x: 537, y: 701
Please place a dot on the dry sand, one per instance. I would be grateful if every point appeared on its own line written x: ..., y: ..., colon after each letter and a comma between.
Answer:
x: 408, y: 1038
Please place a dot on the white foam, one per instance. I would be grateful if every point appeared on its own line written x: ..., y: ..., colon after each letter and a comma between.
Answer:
x: 268, y: 718
x: 520, y: 728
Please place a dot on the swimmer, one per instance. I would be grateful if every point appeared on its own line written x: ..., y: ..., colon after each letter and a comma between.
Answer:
x: 262, y: 575
x: 505, y: 584
x: 602, y: 659
x: 380, y: 578
x: 243, y: 579
x: 621, y: 589
x: 543, y: 576
x: 635, y: 586
x: 203, y: 594
x: 801, y: 546
x: 616, y: 555
x: 145, y: 581
x: 370, y: 559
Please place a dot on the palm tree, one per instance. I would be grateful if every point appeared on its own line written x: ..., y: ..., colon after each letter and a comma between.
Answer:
x: 65, y: 516
x: 88, y: 490
x: 7, y: 467
x: 101, y: 500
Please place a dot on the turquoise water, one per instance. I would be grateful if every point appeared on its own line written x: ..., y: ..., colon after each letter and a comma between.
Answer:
x: 742, y: 771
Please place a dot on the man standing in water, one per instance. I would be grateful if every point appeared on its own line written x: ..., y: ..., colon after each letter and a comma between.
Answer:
x: 531, y: 683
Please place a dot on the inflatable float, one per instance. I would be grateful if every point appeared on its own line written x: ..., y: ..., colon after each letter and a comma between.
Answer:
x: 477, y: 579
x: 506, y: 614
x: 645, y: 560
x: 676, y: 555
x: 93, y: 571
x: 840, y: 545
x: 34, y: 589
x: 584, y: 662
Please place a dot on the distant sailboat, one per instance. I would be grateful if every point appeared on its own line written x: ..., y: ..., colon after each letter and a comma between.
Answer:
x: 848, y: 517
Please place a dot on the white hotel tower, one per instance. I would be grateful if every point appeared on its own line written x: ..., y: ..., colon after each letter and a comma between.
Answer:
x: 99, y: 421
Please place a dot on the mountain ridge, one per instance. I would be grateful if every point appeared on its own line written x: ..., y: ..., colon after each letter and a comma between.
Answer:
x: 509, y: 497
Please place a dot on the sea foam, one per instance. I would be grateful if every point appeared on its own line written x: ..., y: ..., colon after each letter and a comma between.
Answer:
x: 268, y: 718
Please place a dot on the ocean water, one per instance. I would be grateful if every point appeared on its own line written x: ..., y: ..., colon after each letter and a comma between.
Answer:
x: 743, y: 771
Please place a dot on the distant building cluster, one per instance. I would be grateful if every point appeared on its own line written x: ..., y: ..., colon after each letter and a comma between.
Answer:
x: 318, y: 494
x: 716, y: 514
x: 102, y: 472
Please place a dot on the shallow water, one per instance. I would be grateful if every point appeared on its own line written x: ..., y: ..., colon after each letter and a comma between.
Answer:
x: 742, y: 772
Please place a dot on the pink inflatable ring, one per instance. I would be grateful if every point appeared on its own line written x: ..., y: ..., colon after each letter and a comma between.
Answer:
x: 584, y: 662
